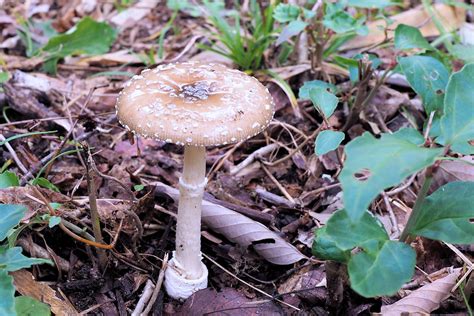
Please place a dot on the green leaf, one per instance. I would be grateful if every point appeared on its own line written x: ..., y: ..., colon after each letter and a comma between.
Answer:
x: 286, y: 12
x: 7, y: 292
x: 408, y: 37
x: 292, y: 29
x: 324, y: 247
x: 464, y: 52
x: 87, y: 37
x: 348, y: 234
x: 428, y: 77
x: 28, y: 306
x: 328, y: 141
x: 372, y: 4
x: 447, y: 214
x: 138, y: 187
x: 308, y: 85
x: 10, y: 216
x: 343, y: 22
x: 383, y: 270
x: 8, y: 179
x: 373, y: 165
x: 44, y: 183
x: 4, y: 76
x: 324, y: 101
x: 53, y: 221
x: 457, y: 123
x: 12, y: 260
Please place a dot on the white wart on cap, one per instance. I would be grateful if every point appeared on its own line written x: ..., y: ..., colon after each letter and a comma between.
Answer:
x: 191, y: 103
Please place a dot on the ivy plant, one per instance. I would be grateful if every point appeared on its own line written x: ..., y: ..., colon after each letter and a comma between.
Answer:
x: 12, y: 259
x: 377, y: 265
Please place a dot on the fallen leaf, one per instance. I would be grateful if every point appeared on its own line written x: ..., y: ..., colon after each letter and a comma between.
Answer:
x: 450, y: 17
x: 454, y: 170
x: 227, y: 302
x: 244, y: 231
x: 17, y: 195
x: 309, y: 283
x: 133, y: 14
x: 26, y: 284
x: 426, y: 299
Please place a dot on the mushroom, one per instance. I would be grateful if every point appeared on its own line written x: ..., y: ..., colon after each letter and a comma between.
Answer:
x: 194, y: 105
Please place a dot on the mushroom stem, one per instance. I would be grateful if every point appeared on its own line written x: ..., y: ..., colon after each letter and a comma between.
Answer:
x: 188, y: 229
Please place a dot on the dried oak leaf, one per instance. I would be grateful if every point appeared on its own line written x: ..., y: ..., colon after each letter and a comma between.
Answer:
x: 227, y: 302
x: 426, y: 299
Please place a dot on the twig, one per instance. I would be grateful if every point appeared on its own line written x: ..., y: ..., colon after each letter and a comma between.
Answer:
x: 297, y: 149
x: 156, y: 291
x: 222, y: 160
x: 14, y: 155
x: 45, y: 202
x: 94, y: 212
x: 248, y: 284
x: 278, y: 184
x: 252, y: 157
x: 428, y: 127
x: 273, y: 198
x: 403, y: 187
x: 145, y: 297
x: 393, y: 218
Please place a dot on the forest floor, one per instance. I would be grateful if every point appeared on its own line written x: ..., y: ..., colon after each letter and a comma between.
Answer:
x: 283, y: 189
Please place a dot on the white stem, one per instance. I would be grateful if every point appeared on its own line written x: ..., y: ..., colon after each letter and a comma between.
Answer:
x: 188, y: 228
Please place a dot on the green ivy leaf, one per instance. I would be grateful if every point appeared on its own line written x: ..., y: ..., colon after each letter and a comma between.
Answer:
x: 463, y: 52
x: 7, y: 292
x: 327, y: 141
x: 54, y: 221
x: 373, y: 165
x: 348, y: 234
x: 308, y: 85
x: 87, y: 37
x: 382, y: 268
x: 10, y: 216
x: 292, y: 29
x: 342, y: 22
x: 12, y: 260
x: 284, y: 13
x: 325, y: 247
x: 446, y: 214
x: 428, y: 77
x: 408, y: 37
x: 457, y: 123
x: 8, y: 179
x: 325, y: 102
x: 25, y: 305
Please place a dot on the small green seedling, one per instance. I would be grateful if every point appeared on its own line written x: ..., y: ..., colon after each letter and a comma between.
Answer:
x: 243, y: 44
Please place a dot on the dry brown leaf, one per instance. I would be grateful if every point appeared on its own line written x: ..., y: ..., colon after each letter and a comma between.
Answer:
x: 226, y: 302
x: 456, y: 170
x: 27, y: 285
x: 244, y: 231
x: 133, y: 14
x: 110, y: 59
x: 426, y: 299
x: 450, y: 17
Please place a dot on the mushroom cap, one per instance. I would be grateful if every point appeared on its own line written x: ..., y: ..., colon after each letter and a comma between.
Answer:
x: 192, y: 103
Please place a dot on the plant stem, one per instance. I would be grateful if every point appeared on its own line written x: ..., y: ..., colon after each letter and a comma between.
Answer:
x: 188, y: 227
x: 95, y: 213
x: 418, y: 203
x: 336, y: 275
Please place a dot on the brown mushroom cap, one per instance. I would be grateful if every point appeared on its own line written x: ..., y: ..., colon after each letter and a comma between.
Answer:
x: 195, y: 104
